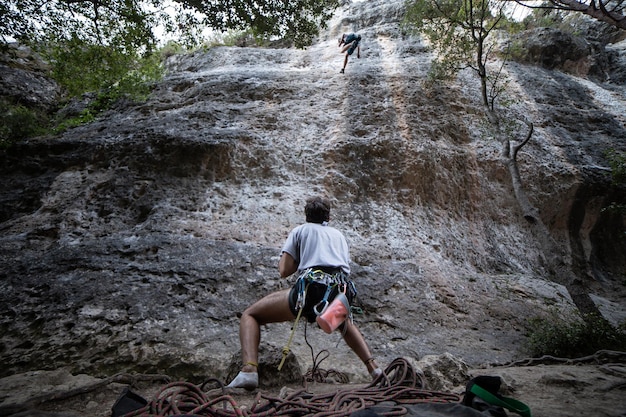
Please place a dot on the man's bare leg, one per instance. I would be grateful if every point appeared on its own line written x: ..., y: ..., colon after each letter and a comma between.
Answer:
x: 272, y: 308
x: 345, y: 62
x: 354, y: 339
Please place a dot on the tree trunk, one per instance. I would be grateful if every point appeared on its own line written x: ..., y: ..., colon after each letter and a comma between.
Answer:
x: 559, y: 269
x: 601, y: 13
x: 482, y: 72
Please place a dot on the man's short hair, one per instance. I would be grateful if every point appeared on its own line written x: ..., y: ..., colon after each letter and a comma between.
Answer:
x: 317, y: 210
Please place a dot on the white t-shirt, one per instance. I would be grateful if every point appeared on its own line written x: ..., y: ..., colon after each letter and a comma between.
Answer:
x: 314, y: 244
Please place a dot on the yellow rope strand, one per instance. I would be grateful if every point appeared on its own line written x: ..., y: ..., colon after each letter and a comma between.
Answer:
x: 286, y: 349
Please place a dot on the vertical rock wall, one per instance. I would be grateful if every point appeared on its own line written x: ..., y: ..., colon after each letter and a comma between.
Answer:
x: 133, y: 242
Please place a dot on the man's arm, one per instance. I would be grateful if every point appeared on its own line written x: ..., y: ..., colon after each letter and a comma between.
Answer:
x: 287, y: 265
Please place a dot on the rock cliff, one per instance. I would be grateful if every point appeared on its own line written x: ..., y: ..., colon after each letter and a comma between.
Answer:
x: 131, y: 243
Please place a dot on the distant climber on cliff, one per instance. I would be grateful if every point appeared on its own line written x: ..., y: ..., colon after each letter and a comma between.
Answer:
x: 348, y: 43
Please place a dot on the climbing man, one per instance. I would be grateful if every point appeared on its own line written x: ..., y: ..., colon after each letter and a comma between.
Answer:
x: 320, y: 255
x: 350, y: 42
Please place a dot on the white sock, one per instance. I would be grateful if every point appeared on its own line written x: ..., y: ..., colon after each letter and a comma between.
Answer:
x: 376, y: 373
x: 247, y: 380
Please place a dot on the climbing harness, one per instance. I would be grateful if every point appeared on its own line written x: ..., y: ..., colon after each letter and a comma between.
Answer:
x: 337, y: 280
x: 332, y: 281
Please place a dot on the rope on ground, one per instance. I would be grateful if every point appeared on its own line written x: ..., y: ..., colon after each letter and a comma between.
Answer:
x: 399, y: 384
x: 317, y: 374
x: 600, y: 357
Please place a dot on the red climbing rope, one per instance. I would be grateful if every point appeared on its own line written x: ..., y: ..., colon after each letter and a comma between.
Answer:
x: 399, y: 384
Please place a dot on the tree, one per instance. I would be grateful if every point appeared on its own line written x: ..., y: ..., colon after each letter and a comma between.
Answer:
x: 555, y: 256
x: 117, y: 22
x: 608, y: 11
x: 133, y: 22
x: 459, y: 31
x: 297, y: 20
x: 90, y: 45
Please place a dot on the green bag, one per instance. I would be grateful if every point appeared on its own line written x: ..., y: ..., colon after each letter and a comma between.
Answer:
x: 486, y: 388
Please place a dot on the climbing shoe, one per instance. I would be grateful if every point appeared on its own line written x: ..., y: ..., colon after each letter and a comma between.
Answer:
x: 247, y: 380
x: 341, y: 71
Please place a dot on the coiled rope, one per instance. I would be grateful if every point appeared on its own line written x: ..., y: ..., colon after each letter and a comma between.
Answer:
x: 399, y: 384
x: 316, y: 373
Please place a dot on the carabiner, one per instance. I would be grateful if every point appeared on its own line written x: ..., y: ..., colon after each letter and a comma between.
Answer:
x: 318, y: 312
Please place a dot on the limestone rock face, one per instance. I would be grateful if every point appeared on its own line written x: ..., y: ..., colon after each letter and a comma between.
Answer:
x: 552, y: 47
x: 132, y: 243
x: 593, y: 55
x: 23, y: 80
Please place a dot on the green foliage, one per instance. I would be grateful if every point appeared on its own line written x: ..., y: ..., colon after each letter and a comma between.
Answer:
x: 442, y: 22
x: 100, y: 47
x: 86, y: 116
x: 459, y: 31
x: 565, y: 21
x: 80, y: 67
x: 617, y: 160
x: 18, y: 122
x: 235, y: 38
x: 296, y: 20
x: 122, y: 23
x: 110, y: 75
x: 570, y: 339
x: 128, y: 78
x: 543, y: 18
x: 171, y: 48
x: 512, y: 26
x: 130, y: 24
x: 517, y: 50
